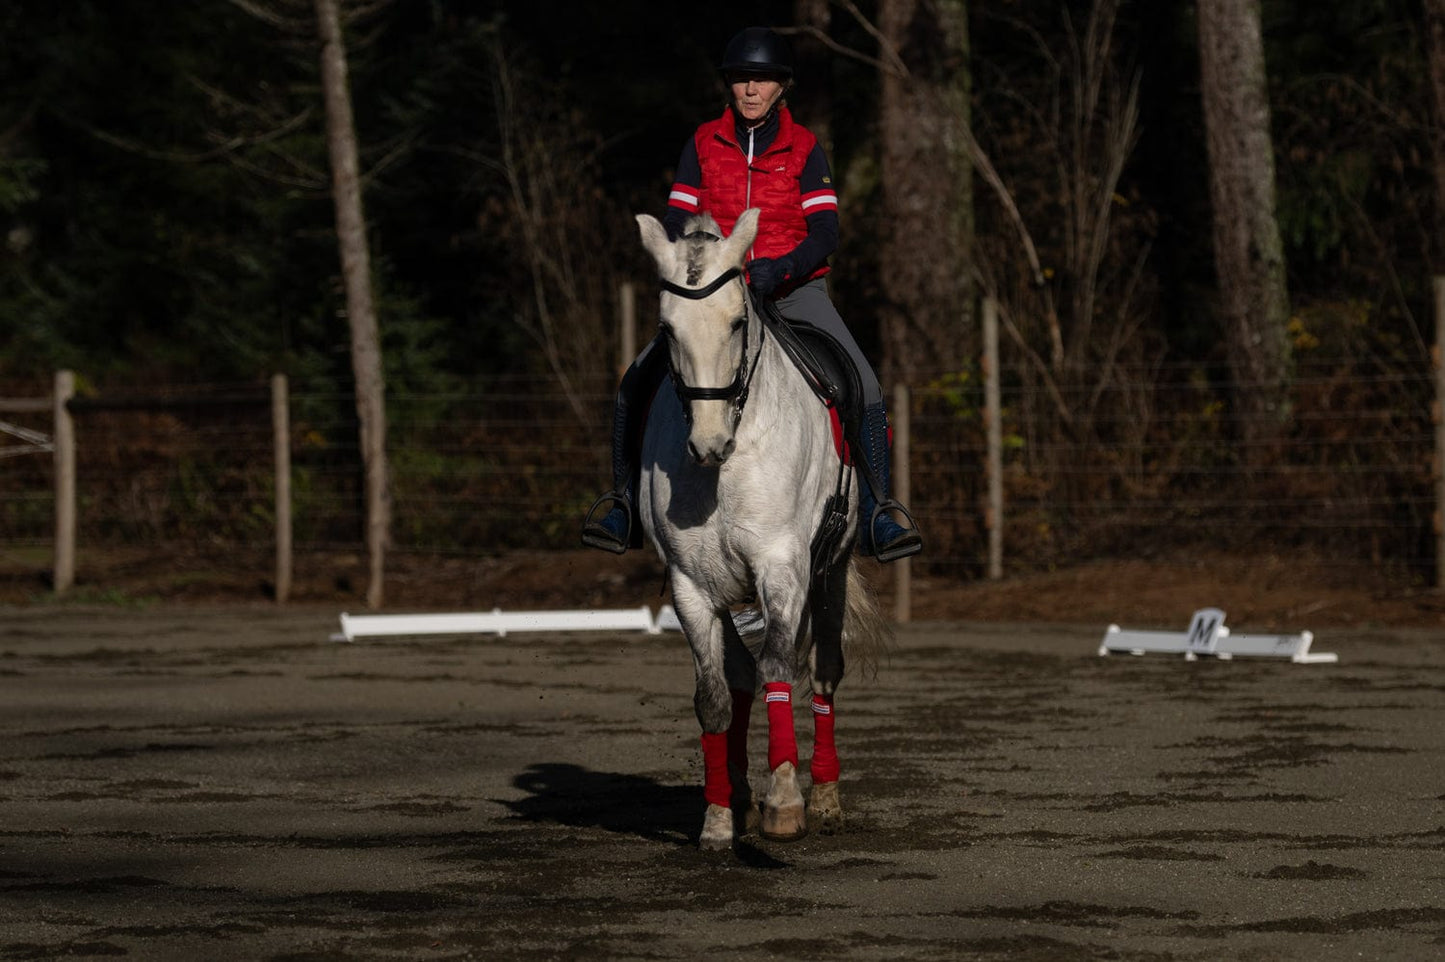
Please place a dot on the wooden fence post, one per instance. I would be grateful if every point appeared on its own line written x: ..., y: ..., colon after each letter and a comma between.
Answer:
x: 993, y: 418
x: 627, y: 297
x: 281, y: 442
x: 1438, y: 359
x: 902, y: 481
x: 64, y: 454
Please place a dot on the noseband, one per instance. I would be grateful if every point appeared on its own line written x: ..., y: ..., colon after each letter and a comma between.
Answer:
x: 737, y: 391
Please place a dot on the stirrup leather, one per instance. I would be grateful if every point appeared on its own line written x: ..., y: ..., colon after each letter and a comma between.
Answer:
x: 909, y: 543
x: 594, y: 535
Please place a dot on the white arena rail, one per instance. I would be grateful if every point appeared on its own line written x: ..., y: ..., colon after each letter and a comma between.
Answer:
x: 496, y: 622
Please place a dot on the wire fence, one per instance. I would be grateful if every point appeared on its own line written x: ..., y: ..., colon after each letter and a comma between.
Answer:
x: 1154, y: 470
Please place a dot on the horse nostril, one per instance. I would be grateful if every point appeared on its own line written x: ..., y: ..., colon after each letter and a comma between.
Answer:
x: 705, y: 458
x: 727, y: 450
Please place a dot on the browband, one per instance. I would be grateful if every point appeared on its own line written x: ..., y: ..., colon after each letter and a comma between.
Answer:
x: 698, y: 293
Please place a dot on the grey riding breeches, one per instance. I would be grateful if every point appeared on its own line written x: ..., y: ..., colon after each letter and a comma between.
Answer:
x: 810, y: 305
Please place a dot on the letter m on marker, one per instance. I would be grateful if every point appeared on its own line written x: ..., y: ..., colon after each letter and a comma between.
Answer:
x: 1204, y: 631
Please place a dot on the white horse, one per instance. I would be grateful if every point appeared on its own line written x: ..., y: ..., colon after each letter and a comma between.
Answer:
x: 739, y: 471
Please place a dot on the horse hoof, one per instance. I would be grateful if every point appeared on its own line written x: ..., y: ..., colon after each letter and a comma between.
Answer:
x: 786, y: 824
x: 825, y: 809
x: 784, y: 819
x: 717, y: 829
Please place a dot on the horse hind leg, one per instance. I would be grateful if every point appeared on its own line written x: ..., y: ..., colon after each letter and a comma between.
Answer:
x: 828, y: 602
x: 825, y: 804
x: 741, y: 670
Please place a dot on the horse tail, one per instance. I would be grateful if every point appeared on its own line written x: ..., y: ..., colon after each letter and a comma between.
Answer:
x: 867, y: 635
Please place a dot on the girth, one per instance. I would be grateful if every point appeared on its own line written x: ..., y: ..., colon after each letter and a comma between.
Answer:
x: 828, y: 370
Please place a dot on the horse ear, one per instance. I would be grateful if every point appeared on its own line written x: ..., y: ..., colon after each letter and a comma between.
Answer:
x: 745, y: 231
x: 654, y: 238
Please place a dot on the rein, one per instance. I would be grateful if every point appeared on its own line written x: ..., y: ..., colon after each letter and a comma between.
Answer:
x: 737, y: 391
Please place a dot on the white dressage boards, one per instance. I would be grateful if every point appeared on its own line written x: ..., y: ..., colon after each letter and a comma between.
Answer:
x: 500, y: 623
x: 1208, y: 636
x: 496, y: 622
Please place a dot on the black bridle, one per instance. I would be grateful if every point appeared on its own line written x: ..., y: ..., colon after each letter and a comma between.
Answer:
x: 737, y: 391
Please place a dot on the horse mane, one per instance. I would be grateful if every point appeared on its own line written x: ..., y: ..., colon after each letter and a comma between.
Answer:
x: 698, y: 233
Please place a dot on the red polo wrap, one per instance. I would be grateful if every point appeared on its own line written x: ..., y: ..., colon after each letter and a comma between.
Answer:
x: 716, y: 787
x: 825, y: 752
x: 782, y: 743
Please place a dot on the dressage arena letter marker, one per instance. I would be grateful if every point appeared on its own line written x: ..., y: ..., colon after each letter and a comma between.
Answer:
x: 1205, y: 629
x: 1208, y: 635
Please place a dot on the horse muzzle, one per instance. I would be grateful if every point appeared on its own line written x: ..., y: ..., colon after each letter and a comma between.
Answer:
x: 711, y: 452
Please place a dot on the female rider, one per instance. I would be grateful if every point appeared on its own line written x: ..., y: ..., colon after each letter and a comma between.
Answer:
x: 755, y: 155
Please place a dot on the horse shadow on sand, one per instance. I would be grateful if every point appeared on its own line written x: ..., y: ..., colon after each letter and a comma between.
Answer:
x: 567, y: 794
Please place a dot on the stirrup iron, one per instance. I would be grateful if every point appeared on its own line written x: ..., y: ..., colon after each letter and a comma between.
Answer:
x: 906, y: 545
x: 594, y: 535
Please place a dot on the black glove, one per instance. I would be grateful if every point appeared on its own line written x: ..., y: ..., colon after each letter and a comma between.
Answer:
x: 767, y: 274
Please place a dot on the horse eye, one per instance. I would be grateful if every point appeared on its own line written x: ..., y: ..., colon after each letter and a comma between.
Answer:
x: 738, y: 322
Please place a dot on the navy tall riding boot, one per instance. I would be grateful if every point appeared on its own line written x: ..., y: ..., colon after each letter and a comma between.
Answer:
x: 881, y: 535
x: 619, y: 529
x: 614, y: 530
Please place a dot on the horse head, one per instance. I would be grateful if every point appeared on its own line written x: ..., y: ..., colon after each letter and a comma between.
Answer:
x: 704, y: 319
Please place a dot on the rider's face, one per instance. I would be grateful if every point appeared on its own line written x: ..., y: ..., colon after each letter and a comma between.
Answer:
x: 753, y: 97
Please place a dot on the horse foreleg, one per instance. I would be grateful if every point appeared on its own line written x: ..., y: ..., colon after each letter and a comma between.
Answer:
x: 784, y: 816
x: 713, y: 703
x: 741, y: 670
x: 725, y: 778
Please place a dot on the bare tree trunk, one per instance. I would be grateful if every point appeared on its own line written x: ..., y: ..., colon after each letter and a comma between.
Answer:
x: 1073, y: 324
x: 558, y: 225
x: 1435, y: 46
x: 927, y: 321
x: 1435, y: 49
x: 1249, y: 257
x: 356, y: 273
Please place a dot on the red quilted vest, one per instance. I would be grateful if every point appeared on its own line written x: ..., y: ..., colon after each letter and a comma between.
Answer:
x: 730, y: 185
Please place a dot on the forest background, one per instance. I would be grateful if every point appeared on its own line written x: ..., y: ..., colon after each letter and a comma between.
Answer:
x: 165, y: 202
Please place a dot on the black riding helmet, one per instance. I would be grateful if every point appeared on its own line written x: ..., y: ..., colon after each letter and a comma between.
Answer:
x: 757, y: 52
